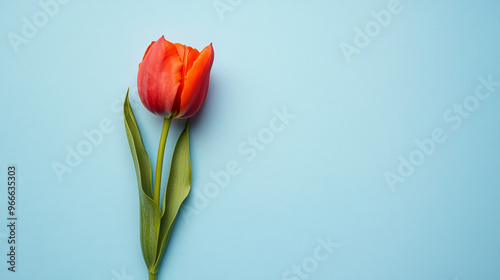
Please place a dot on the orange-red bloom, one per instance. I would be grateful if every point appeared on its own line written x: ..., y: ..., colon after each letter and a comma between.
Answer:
x: 173, y: 78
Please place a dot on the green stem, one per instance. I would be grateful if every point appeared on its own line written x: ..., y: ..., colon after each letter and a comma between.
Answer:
x: 159, y: 163
x: 152, y: 276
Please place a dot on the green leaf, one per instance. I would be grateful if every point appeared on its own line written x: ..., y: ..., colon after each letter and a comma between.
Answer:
x: 150, y: 210
x: 178, y: 186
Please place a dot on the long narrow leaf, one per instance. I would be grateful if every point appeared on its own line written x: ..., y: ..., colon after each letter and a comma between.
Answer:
x: 178, y: 187
x: 150, y: 210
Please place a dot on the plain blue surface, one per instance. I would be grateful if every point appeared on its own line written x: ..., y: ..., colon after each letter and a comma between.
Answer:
x: 317, y: 177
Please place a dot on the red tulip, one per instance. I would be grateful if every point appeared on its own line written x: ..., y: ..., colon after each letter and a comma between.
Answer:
x: 173, y: 78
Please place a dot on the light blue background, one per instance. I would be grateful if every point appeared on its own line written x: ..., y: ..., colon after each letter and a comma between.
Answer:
x: 322, y: 176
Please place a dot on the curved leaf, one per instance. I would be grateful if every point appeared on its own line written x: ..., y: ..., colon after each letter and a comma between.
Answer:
x: 150, y: 210
x: 178, y: 187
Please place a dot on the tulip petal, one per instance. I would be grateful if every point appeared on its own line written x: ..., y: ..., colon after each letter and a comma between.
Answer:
x: 187, y: 55
x: 196, y: 83
x: 189, y: 58
x: 146, y: 52
x: 159, y: 77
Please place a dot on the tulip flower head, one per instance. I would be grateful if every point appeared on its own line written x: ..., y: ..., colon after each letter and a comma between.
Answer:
x: 173, y: 78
